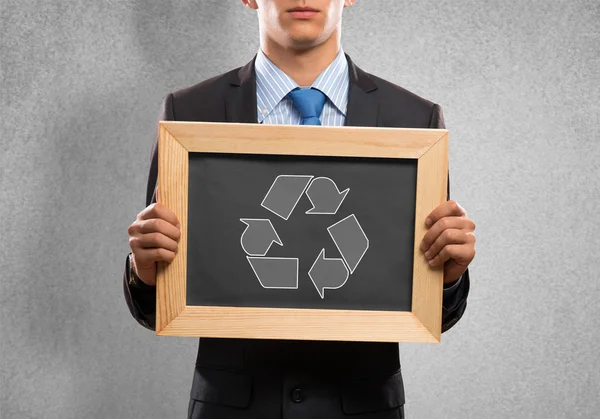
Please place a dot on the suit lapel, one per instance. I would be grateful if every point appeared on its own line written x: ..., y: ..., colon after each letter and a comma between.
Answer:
x: 363, y: 108
x: 240, y: 100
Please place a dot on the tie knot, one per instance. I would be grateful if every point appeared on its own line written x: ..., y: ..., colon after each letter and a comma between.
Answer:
x: 310, y: 103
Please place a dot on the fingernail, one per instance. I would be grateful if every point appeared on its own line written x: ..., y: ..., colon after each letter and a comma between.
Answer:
x: 431, y: 262
x: 178, y: 226
x: 428, y: 222
x: 428, y: 255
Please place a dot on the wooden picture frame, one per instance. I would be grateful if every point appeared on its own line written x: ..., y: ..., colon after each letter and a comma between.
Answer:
x: 174, y: 318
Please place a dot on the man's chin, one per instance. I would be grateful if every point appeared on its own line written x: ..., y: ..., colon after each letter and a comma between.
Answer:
x: 305, y: 40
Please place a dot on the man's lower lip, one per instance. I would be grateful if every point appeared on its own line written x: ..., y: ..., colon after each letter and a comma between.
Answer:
x: 303, y: 14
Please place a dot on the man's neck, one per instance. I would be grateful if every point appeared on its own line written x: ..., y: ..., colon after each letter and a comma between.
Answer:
x: 303, y: 66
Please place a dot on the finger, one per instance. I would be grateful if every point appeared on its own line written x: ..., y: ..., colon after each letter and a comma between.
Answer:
x: 145, y: 258
x: 447, y: 209
x: 462, y: 254
x: 445, y: 223
x: 449, y: 236
x: 157, y: 210
x: 158, y: 225
x: 152, y: 241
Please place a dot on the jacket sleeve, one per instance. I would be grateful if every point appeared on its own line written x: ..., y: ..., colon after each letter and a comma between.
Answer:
x: 141, y: 299
x: 455, y: 296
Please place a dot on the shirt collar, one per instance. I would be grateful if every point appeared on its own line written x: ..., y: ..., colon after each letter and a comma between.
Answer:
x: 273, y: 85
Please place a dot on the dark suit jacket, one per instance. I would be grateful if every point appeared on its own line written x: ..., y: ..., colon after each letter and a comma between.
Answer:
x: 264, y: 378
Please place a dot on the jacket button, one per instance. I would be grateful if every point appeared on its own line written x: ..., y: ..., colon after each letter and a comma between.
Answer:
x: 297, y: 395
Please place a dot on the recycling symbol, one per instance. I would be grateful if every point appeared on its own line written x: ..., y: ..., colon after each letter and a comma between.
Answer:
x: 282, y: 272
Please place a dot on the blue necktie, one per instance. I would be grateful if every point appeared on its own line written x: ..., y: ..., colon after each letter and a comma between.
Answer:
x: 310, y: 103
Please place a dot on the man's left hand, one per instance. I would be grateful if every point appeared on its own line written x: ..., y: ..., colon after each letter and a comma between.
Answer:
x: 450, y: 240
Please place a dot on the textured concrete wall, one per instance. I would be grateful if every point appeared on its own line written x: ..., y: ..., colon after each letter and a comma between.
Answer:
x: 81, y: 83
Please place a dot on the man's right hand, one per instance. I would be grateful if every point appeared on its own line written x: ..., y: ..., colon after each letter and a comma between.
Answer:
x: 153, y: 237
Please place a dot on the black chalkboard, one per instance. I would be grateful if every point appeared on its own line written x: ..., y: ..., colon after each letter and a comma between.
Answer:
x: 227, y: 188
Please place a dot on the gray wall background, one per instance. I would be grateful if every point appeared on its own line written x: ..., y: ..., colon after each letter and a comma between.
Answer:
x: 81, y: 84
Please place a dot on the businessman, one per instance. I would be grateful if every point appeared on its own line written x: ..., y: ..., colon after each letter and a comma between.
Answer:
x: 301, y: 76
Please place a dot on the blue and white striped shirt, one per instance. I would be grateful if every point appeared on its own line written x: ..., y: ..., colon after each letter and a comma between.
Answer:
x: 273, y: 85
